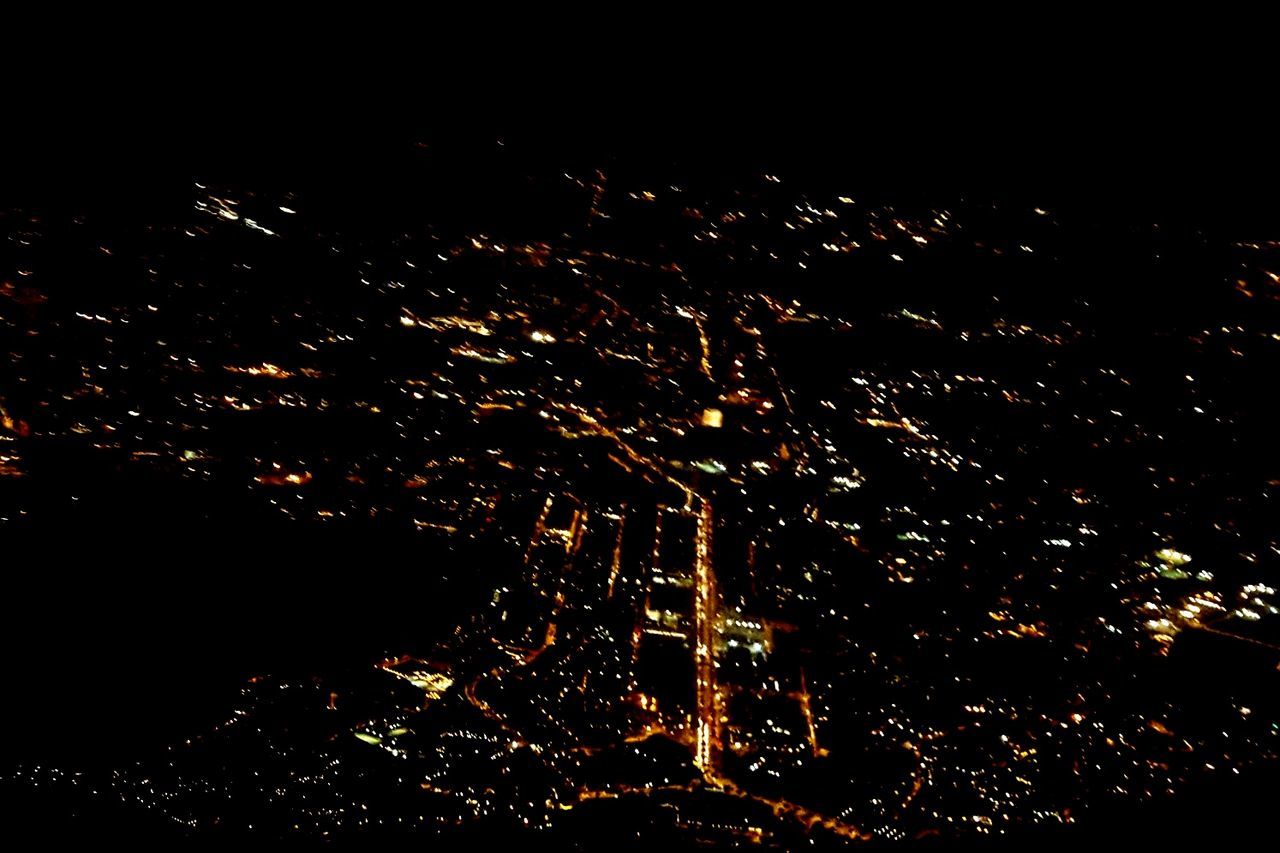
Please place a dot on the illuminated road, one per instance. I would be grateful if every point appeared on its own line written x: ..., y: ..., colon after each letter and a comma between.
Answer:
x: 1260, y: 643
x: 706, y: 753
x: 596, y: 426
x: 705, y: 343
x: 806, y: 708
x: 538, y: 527
x: 616, y: 564
x: 573, y: 543
x: 780, y: 808
x: 787, y: 808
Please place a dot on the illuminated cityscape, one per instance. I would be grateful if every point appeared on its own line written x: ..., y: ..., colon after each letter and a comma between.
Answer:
x: 642, y: 504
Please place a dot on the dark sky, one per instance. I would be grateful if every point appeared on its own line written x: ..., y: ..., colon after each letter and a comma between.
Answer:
x: 1137, y: 120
